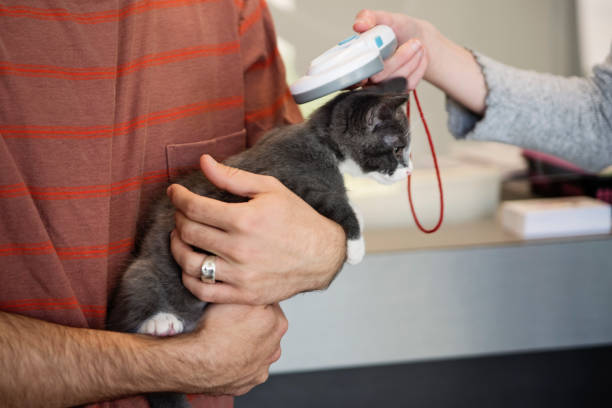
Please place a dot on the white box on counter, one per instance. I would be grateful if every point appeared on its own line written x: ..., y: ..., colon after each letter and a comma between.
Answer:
x: 556, y: 217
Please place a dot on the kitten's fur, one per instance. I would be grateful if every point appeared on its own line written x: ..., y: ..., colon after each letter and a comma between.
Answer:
x: 363, y: 131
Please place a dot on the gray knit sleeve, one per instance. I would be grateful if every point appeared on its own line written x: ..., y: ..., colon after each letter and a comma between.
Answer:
x: 567, y: 117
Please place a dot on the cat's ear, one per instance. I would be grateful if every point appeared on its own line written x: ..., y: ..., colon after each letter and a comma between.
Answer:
x: 395, y: 101
x: 395, y: 85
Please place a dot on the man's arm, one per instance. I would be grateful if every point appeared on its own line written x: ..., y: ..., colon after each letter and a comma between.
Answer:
x: 54, y: 365
x: 50, y: 365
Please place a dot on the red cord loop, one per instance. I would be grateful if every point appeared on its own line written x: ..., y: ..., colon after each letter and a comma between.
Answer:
x: 435, y: 160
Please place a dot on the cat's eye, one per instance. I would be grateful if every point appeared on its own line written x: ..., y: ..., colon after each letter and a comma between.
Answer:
x: 398, y: 149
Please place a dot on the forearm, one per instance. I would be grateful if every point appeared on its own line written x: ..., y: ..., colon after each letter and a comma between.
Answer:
x: 50, y: 365
x: 454, y: 70
x: 566, y: 117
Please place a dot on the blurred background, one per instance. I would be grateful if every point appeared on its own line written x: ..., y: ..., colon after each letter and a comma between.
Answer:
x: 473, y: 314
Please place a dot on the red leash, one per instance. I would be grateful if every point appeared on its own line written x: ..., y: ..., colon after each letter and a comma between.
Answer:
x: 435, y: 160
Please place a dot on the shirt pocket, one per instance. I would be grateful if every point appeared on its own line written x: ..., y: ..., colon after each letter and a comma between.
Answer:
x: 185, y: 157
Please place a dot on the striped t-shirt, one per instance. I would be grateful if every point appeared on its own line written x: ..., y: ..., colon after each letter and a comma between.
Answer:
x: 102, y: 102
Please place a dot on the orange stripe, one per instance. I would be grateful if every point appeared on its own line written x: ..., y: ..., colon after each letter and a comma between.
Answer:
x: 109, y: 128
x: 95, y: 313
x: 94, y: 17
x: 252, y: 18
x: 14, y: 249
x: 63, y: 188
x: 52, y: 304
x: 14, y: 190
x: 97, y: 132
x: 12, y: 185
x: 42, y: 194
x: 29, y: 70
x: 95, y: 251
x: 102, y: 192
x: 269, y: 110
x: 94, y: 191
x: 78, y: 252
x: 239, y: 4
x: 98, y: 253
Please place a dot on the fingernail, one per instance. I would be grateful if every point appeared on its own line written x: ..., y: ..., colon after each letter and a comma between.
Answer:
x: 169, y: 192
x: 416, y: 45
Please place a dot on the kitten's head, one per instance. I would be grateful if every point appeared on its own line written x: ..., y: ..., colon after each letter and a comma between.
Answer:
x: 368, y: 130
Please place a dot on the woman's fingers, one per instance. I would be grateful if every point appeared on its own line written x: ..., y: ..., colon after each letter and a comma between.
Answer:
x: 367, y: 19
x: 405, y: 60
x: 418, y: 73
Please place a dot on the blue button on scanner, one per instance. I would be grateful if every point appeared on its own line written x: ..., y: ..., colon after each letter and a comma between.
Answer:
x: 352, y: 37
x: 379, y: 41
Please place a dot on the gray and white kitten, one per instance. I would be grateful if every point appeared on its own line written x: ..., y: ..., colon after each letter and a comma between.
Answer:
x: 364, y: 132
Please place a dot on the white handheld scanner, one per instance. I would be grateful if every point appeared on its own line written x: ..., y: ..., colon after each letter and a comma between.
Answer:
x: 352, y: 60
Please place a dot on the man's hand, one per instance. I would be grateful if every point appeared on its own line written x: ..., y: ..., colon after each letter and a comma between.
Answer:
x: 268, y: 249
x: 232, y: 350
x: 57, y: 366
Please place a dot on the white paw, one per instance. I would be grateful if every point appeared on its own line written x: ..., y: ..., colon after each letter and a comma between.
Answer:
x: 162, y: 324
x: 359, y: 216
x: 355, y: 250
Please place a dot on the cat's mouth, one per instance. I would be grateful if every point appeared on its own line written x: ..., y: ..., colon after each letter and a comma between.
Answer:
x: 400, y: 173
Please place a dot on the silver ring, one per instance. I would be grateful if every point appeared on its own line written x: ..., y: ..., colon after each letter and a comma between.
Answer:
x: 208, y: 269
